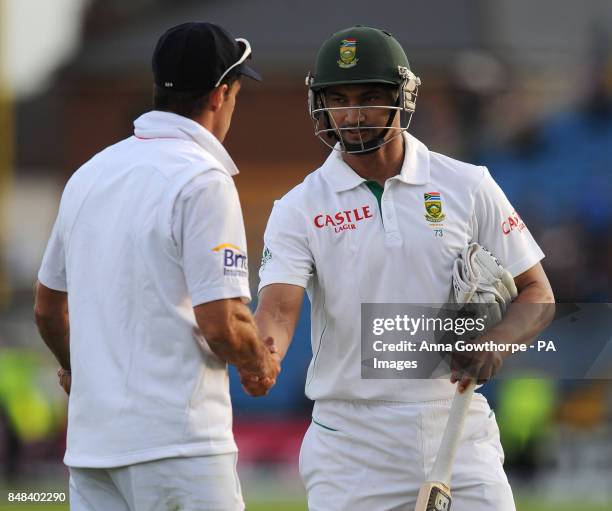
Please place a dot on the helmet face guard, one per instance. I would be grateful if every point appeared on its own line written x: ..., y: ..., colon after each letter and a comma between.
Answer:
x: 361, y: 55
x: 329, y: 132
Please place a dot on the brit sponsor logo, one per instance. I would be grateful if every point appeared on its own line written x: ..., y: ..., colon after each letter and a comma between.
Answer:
x: 343, y: 220
x: 512, y: 223
x: 234, y: 260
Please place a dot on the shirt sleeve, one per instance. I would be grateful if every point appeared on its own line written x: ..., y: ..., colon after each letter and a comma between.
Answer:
x: 208, y: 230
x: 500, y: 229
x: 52, y: 273
x: 287, y: 258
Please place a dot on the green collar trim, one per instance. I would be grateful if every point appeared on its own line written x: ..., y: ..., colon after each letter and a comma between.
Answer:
x: 376, y: 188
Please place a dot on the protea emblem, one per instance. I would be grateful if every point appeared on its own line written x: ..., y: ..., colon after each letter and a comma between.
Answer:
x: 348, y: 53
x: 433, y: 207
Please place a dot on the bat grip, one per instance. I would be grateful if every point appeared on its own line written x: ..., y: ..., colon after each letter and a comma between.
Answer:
x: 443, y: 466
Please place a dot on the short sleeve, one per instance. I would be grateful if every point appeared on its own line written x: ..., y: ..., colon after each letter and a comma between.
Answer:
x: 209, y: 232
x: 500, y: 229
x: 52, y: 273
x: 287, y: 258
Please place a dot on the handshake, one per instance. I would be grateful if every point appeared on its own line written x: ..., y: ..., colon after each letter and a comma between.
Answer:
x: 258, y: 377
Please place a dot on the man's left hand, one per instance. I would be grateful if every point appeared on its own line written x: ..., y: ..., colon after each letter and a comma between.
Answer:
x: 479, y: 366
x: 65, y: 379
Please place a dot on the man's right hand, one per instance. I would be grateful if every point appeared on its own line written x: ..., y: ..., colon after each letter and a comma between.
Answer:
x: 258, y: 382
x: 232, y: 335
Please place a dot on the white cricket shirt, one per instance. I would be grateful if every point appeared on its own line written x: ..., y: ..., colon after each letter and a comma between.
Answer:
x: 147, y: 229
x: 330, y: 236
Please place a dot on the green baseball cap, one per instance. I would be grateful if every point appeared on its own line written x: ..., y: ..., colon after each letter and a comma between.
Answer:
x: 359, y: 55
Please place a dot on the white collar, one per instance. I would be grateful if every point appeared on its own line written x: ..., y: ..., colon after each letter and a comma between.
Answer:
x: 158, y: 124
x: 414, y: 171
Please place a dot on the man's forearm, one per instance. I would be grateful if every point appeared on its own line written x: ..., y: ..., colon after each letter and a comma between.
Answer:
x: 277, y: 327
x: 527, y: 316
x: 248, y: 353
x: 51, y: 315
x: 278, y: 312
x: 239, y: 344
x: 55, y: 331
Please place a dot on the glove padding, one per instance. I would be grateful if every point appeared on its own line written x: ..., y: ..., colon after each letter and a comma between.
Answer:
x: 478, y: 278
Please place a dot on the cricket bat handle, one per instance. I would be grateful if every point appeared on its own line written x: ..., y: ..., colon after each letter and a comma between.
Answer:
x: 443, y: 465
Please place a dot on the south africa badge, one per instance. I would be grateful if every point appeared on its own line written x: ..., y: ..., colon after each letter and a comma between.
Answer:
x: 433, y: 207
x: 348, y: 53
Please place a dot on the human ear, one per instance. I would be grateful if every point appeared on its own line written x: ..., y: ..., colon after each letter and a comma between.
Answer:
x: 217, y: 97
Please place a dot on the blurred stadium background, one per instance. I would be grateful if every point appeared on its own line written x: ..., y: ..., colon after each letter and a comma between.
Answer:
x: 524, y: 87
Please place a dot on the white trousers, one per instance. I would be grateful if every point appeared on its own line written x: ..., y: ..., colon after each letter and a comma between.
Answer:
x: 374, y: 456
x: 201, y: 483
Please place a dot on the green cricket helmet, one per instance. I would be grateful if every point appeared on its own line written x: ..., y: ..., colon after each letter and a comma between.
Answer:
x: 360, y: 55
